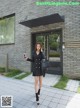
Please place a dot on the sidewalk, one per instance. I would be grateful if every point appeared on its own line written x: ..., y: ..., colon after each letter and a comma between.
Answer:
x: 24, y: 97
x: 72, y: 85
x: 51, y: 80
x: 48, y: 80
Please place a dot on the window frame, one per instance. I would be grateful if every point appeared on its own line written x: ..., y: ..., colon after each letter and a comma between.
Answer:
x: 8, y: 16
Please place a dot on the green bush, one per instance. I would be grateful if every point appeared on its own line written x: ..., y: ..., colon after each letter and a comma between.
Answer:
x: 2, y: 69
x: 54, y: 46
x: 54, y: 54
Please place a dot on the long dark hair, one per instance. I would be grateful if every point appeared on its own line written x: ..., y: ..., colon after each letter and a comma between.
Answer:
x: 36, y: 46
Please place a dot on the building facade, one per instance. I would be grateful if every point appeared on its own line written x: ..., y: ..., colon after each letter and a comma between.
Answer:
x: 23, y: 40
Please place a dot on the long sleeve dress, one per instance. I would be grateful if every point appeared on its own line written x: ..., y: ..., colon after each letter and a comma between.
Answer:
x: 37, y: 63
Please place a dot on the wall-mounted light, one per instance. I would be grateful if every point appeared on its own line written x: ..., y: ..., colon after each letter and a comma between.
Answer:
x: 63, y: 45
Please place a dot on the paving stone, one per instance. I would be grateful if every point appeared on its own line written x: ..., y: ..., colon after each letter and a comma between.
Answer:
x: 53, y: 105
x: 57, y: 95
x: 48, y: 98
x: 72, y: 85
x: 24, y: 95
x: 61, y: 106
x: 65, y: 97
x: 55, y: 100
x: 63, y: 102
x: 49, y: 80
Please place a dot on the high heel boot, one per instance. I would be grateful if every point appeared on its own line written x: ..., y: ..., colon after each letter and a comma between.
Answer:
x: 37, y: 98
x: 39, y: 92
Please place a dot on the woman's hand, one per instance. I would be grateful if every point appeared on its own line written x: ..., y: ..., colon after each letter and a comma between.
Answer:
x: 25, y: 56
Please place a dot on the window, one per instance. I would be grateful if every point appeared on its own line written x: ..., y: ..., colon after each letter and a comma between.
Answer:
x: 7, y: 29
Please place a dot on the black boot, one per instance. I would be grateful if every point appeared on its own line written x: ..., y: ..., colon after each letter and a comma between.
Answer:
x: 39, y: 92
x: 37, y: 99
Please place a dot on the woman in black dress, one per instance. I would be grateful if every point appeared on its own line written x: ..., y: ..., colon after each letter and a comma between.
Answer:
x: 37, y: 57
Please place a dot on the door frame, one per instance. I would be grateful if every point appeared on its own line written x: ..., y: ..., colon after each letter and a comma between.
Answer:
x: 33, y: 35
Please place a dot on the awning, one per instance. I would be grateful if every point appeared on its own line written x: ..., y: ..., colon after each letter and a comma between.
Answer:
x: 50, y: 19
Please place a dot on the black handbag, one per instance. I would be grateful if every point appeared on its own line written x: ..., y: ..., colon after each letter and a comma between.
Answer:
x: 44, y: 66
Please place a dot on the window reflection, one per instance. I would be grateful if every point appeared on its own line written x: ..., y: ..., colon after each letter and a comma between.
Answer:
x: 7, y: 30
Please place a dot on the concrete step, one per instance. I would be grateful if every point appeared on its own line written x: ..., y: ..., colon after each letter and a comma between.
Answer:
x: 54, y: 70
x: 54, y: 64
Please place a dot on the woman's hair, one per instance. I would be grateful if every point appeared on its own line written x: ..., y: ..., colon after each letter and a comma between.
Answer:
x: 36, y: 46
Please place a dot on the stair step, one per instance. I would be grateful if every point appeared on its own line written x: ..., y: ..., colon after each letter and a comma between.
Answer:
x: 54, y: 70
x: 54, y: 64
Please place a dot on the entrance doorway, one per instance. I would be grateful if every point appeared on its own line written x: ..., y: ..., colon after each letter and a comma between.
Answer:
x: 52, y: 48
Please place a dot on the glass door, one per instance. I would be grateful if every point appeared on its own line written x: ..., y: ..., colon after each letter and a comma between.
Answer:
x: 54, y: 47
x: 51, y: 45
x: 43, y: 39
x: 46, y: 50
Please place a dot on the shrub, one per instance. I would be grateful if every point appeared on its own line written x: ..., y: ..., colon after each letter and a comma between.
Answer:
x: 54, y: 54
x: 2, y: 69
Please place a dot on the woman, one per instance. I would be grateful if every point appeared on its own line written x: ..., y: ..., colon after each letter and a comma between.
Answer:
x: 38, y: 74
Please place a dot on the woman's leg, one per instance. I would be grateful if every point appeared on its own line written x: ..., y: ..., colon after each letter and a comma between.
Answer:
x: 40, y: 84
x: 36, y: 89
x: 36, y: 78
x: 40, y: 81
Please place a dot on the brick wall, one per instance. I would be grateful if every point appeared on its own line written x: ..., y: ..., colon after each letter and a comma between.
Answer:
x: 28, y: 9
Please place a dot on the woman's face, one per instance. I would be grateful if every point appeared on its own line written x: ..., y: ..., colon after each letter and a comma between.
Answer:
x: 38, y: 47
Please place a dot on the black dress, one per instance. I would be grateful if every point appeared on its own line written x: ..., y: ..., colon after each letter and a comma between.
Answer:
x: 37, y: 63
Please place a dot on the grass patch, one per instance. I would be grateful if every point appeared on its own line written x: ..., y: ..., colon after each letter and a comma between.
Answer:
x: 23, y: 75
x: 2, y: 69
x: 62, y: 83
x: 12, y: 73
x: 78, y: 91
